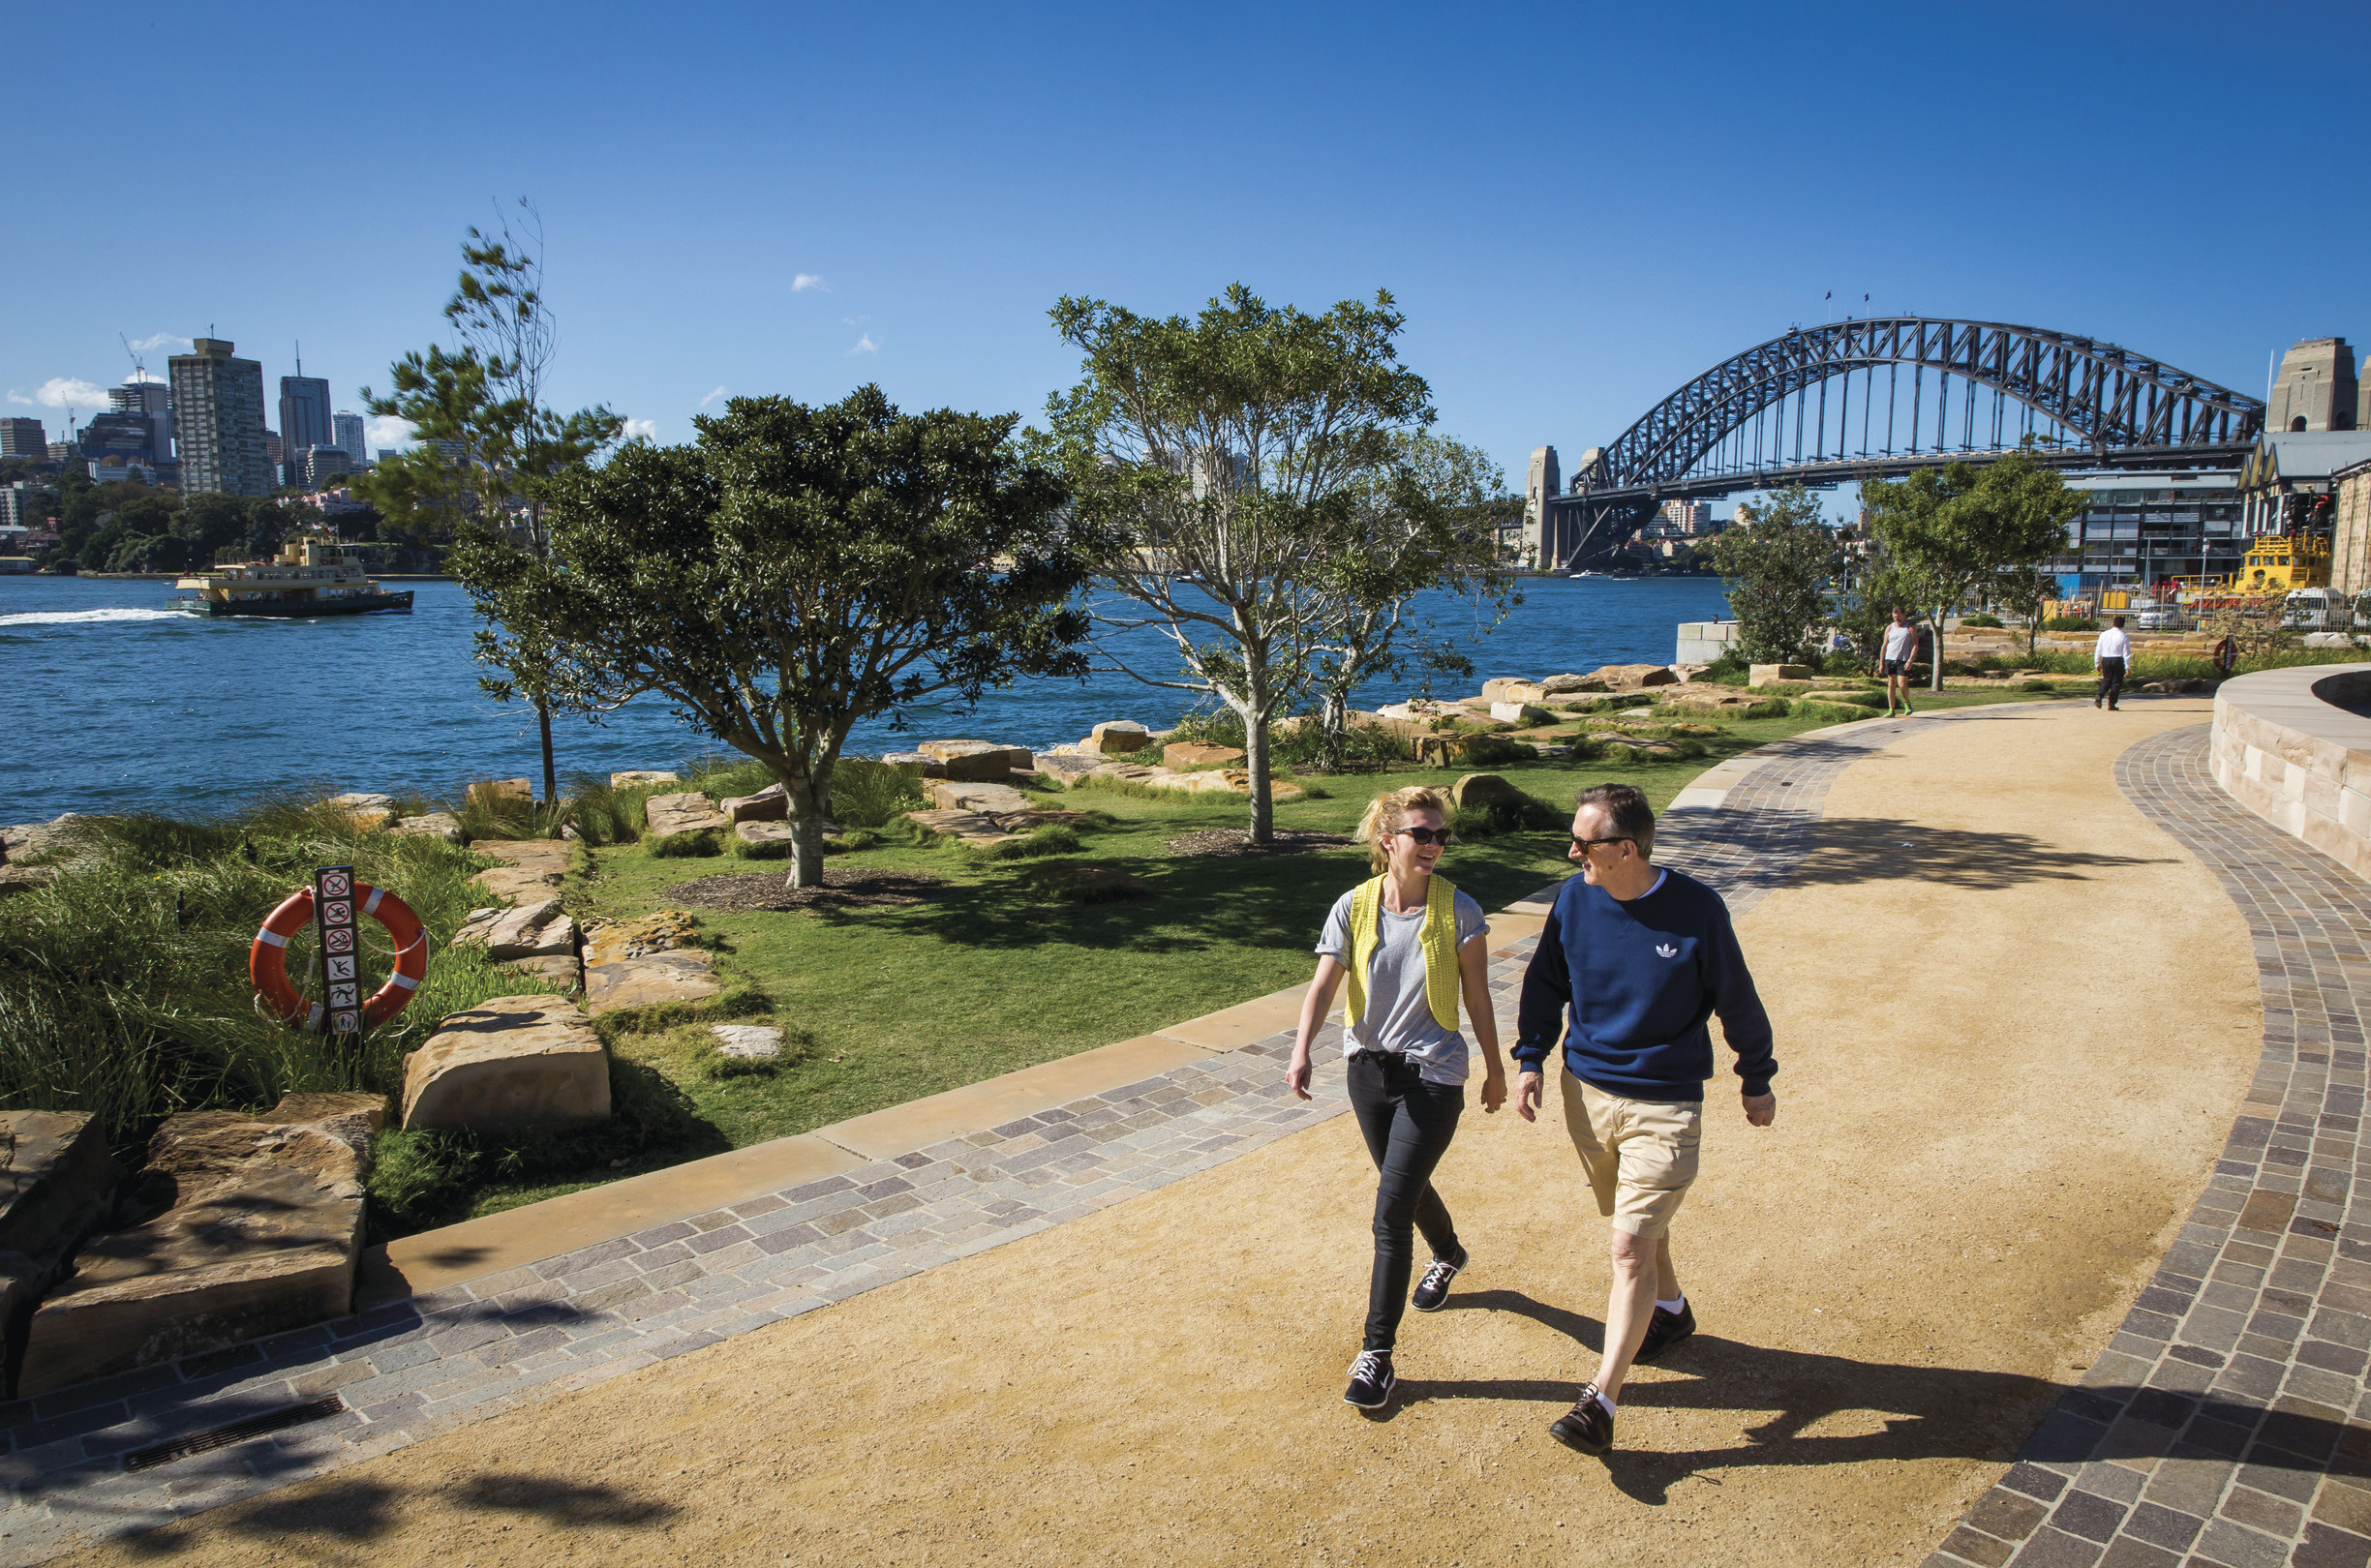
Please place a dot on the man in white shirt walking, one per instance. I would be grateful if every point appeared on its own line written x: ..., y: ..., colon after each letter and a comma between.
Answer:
x: 1893, y: 661
x: 2108, y: 658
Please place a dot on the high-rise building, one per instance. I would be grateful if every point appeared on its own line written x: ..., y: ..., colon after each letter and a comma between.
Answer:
x: 2316, y: 388
x: 323, y: 463
x: 217, y: 418
x: 153, y: 402
x: 23, y: 439
x: 304, y: 414
x: 1540, y: 484
x: 136, y: 429
x: 1689, y: 515
x: 351, y: 435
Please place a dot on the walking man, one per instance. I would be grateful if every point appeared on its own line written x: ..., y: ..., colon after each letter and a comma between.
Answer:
x: 1632, y: 960
x: 2108, y: 658
x: 1893, y: 661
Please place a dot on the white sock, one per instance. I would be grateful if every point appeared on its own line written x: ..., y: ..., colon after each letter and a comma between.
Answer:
x: 1608, y: 1403
x: 1674, y: 1303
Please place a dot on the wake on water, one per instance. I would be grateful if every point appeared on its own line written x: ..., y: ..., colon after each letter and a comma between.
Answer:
x: 88, y: 618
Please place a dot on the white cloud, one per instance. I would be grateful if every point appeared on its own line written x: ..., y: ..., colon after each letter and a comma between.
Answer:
x: 70, y: 392
x: 866, y: 346
x: 711, y: 396
x: 141, y: 374
x: 162, y: 339
x: 805, y: 280
x: 16, y: 395
x: 642, y: 430
x: 385, y: 430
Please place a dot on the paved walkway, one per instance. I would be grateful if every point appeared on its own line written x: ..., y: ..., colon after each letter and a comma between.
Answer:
x: 2225, y: 1423
x: 450, y: 1360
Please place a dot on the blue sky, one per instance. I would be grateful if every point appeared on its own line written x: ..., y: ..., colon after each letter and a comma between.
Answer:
x: 1578, y: 207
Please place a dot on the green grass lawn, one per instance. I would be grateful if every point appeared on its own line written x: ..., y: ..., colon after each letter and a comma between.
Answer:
x: 887, y: 1005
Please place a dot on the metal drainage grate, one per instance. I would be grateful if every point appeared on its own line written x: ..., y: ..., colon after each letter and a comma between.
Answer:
x: 236, y: 1431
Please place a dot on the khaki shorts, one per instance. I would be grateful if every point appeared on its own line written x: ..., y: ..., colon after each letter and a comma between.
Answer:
x: 1640, y: 1154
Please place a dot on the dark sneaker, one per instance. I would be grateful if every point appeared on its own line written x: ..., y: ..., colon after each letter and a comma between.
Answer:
x: 1372, y: 1380
x: 1665, y: 1329
x: 1433, y: 1291
x: 1586, y: 1425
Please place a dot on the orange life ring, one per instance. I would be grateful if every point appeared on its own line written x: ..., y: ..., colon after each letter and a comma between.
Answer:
x: 268, y: 964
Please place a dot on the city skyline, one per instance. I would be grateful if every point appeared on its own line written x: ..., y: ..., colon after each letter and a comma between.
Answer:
x: 716, y: 228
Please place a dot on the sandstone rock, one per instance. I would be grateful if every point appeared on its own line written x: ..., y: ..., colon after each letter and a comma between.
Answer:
x: 536, y: 930
x: 435, y: 823
x: 1520, y: 713
x: 261, y: 1225
x: 684, y: 976
x: 1632, y: 677
x: 1562, y: 685
x: 28, y: 838
x: 747, y: 1042
x: 1066, y: 766
x: 1769, y: 674
x: 632, y: 776
x: 765, y: 832
x: 361, y: 800
x: 1198, y: 754
x: 57, y: 1184
x: 972, y: 827
x: 995, y: 798
x: 1688, y: 672
x: 536, y: 854
x: 25, y: 879
x: 976, y: 761
x: 515, y: 789
x: 1481, y: 790
x: 769, y: 804
x: 688, y: 812
x: 562, y: 971
x: 508, y: 1065
x: 1710, y: 698
x: 661, y: 931
x: 1226, y: 781
x: 1117, y: 738
x: 518, y: 884
x: 1499, y: 690
x: 1420, y: 707
x: 914, y: 763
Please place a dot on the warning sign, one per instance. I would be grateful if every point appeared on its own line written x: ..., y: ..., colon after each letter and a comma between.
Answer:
x: 333, y: 916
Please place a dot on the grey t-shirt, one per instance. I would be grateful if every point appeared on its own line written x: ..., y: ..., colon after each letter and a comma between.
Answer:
x: 1399, y: 1016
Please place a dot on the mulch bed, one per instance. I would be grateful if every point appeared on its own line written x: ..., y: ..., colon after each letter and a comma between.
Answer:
x: 1239, y: 841
x: 844, y: 888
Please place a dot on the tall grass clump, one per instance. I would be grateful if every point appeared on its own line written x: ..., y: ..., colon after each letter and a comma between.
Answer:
x: 868, y: 794
x: 124, y: 988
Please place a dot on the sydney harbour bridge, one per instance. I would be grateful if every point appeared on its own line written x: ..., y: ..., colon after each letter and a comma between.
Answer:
x: 1877, y: 398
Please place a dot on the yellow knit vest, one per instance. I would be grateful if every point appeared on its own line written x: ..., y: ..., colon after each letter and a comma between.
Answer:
x: 1439, y: 938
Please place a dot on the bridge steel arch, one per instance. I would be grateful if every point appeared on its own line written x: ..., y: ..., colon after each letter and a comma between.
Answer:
x: 2095, y: 404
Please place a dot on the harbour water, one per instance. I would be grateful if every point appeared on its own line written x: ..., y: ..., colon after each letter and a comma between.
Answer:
x: 111, y: 700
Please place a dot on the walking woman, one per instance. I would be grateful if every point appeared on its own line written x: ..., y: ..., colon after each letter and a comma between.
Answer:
x: 1411, y: 945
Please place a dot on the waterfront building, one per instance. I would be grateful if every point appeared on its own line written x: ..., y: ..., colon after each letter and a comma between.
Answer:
x: 24, y: 504
x: 2350, y: 550
x: 2315, y: 390
x: 24, y: 438
x: 2285, y: 484
x: 1689, y: 517
x: 2138, y: 528
x: 350, y: 437
x: 217, y: 415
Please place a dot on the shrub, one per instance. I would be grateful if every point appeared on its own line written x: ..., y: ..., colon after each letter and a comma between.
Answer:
x: 696, y: 845
x: 1047, y: 838
x: 2037, y: 686
x: 602, y: 815
x: 1769, y: 707
x: 1529, y: 814
x: 2070, y: 623
x: 1297, y: 742
x: 865, y: 793
x: 1992, y: 621
x: 769, y: 849
x: 1728, y: 670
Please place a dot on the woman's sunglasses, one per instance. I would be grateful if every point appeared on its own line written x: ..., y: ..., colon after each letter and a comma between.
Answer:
x: 1429, y: 835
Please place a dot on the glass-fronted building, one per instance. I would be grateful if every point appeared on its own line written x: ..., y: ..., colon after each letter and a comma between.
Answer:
x: 2147, y: 527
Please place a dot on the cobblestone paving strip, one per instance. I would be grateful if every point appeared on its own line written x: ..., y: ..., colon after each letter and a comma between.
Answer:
x: 413, y: 1369
x: 2226, y: 1422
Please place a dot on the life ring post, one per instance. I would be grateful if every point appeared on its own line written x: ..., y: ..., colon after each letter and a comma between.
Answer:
x: 339, y: 899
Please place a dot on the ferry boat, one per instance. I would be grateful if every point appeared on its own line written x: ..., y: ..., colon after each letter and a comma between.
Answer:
x: 2278, y: 565
x: 308, y: 578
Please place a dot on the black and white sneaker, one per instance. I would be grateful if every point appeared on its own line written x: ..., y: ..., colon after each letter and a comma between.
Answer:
x: 1665, y: 1329
x: 1372, y: 1380
x: 1433, y: 1291
x: 1588, y: 1426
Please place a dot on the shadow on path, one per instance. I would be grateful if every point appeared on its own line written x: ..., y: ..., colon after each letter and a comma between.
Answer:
x: 1846, y: 850
x: 357, y: 1511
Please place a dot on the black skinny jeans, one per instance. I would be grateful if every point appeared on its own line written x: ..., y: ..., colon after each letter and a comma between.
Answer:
x: 2111, y: 681
x: 1407, y: 1124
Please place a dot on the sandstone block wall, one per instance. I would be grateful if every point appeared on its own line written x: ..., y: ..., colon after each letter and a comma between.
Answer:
x: 2285, y: 749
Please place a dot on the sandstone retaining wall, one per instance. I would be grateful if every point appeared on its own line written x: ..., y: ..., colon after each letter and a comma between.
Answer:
x: 2284, y: 748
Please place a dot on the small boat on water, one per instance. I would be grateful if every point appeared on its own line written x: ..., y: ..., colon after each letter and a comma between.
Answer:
x: 308, y: 578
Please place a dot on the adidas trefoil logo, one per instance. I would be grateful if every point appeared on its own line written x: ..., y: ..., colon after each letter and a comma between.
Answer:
x: 1666, y: 949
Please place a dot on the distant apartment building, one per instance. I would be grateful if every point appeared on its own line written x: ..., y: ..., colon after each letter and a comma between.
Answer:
x: 2139, y: 528
x: 136, y: 429
x: 351, y: 435
x: 217, y: 418
x: 25, y: 505
x: 2316, y: 388
x: 1689, y: 517
x: 23, y: 439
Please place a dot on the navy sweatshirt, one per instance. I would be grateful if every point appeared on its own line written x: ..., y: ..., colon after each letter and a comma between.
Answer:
x: 1639, y: 980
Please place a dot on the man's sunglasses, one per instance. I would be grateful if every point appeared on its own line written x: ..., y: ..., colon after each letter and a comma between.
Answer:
x: 1585, y: 845
x: 1430, y: 835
